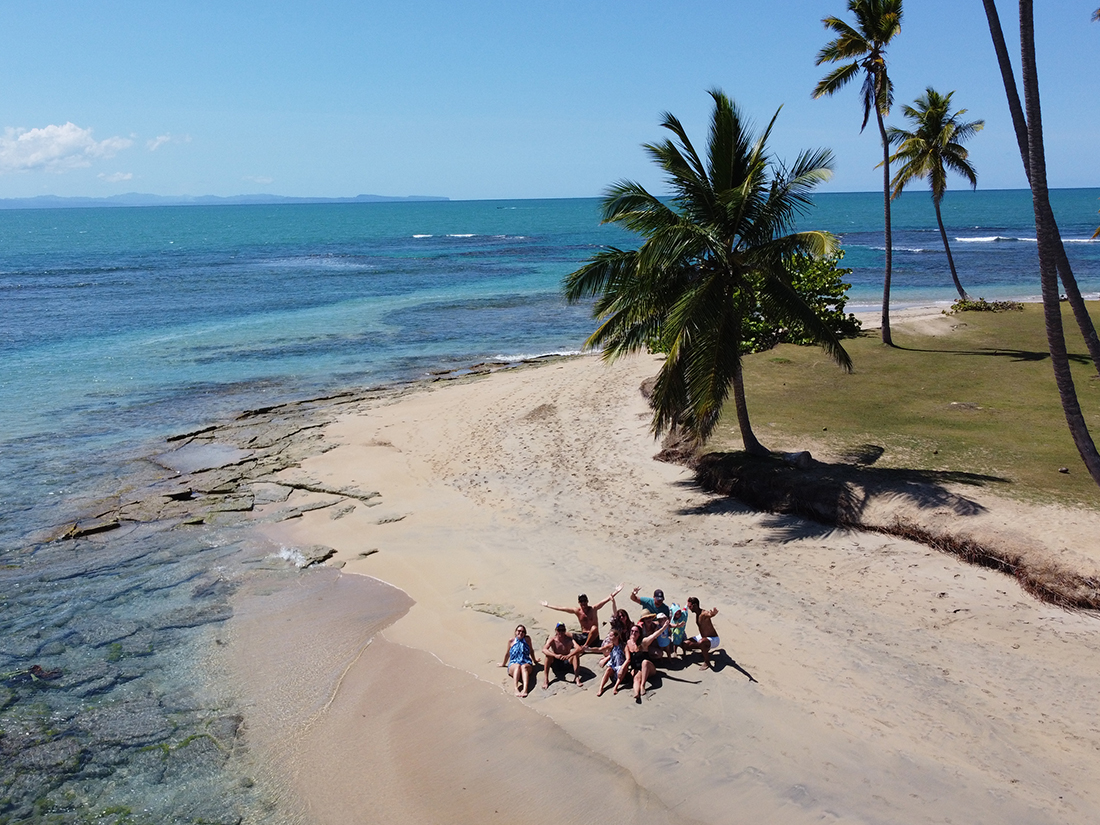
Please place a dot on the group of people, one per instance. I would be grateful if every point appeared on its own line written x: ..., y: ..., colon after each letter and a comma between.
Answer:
x: 628, y: 652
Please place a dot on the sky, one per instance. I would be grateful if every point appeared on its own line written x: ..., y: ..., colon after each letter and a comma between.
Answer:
x: 482, y: 99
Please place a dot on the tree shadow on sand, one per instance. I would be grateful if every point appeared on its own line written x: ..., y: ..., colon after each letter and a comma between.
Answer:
x: 840, y: 495
x: 835, y: 494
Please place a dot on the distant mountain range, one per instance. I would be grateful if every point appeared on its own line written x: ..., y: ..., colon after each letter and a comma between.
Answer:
x: 138, y: 199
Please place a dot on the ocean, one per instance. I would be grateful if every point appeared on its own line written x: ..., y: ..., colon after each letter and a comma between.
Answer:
x: 124, y: 326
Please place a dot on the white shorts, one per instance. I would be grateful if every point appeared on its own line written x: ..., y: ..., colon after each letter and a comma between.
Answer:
x: 714, y: 640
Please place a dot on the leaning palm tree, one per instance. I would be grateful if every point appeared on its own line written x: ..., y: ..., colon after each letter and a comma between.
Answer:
x: 930, y: 150
x: 1028, y: 123
x: 1020, y: 126
x: 713, y: 254
x: 877, y: 21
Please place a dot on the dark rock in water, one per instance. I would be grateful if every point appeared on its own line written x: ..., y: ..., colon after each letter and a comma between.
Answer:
x: 225, y: 728
x: 60, y: 754
x: 95, y: 687
x: 192, y: 616
x: 100, y: 630
x: 138, y: 722
x: 210, y: 588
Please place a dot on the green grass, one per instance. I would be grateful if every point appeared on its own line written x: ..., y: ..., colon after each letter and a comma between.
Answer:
x: 966, y: 393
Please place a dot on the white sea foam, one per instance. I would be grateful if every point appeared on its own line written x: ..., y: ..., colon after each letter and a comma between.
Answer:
x: 516, y: 357
x: 293, y: 556
x: 995, y: 239
x: 422, y: 236
x: 468, y: 235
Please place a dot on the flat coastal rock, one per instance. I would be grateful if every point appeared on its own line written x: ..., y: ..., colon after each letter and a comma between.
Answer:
x: 193, y: 458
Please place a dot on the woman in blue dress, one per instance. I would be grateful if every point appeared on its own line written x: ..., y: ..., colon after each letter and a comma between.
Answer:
x: 520, y: 660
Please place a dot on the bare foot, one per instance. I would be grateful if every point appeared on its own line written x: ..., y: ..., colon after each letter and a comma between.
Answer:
x: 546, y: 686
x: 600, y: 692
x: 704, y: 666
x: 582, y: 685
x: 615, y: 692
x: 523, y: 695
x: 518, y: 693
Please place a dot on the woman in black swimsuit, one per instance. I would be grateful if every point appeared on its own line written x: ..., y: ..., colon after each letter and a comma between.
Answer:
x: 637, y: 658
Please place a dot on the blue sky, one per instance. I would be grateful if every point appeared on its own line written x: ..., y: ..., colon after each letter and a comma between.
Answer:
x: 481, y: 99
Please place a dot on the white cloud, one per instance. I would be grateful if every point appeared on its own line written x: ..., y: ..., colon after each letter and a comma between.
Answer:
x: 262, y: 179
x: 160, y: 140
x: 115, y: 177
x: 54, y: 148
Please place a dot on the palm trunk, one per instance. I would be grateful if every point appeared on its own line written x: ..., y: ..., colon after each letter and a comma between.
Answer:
x: 1046, y: 237
x: 947, y: 249
x: 887, y: 338
x: 748, y: 438
x: 1019, y: 125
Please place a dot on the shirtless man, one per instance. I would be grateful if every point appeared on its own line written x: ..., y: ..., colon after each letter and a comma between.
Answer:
x: 561, y: 647
x: 589, y: 618
x: 707, y: 640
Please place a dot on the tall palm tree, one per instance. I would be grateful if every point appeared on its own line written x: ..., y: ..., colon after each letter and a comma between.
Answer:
x: 715, y: 252
x: 1020, y: 126
x: 877, y: 21
x: 933, y: 147
x: 1046, y: 234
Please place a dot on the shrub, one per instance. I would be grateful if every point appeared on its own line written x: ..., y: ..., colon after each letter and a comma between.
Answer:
x: 982, y: 305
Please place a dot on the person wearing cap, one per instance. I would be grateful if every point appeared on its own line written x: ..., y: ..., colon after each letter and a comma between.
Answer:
x: 588, y: 616
x: 657, y: 606
x: 561, y: 649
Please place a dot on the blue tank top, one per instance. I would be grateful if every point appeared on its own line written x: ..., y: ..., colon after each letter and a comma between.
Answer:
x: 519, y: 653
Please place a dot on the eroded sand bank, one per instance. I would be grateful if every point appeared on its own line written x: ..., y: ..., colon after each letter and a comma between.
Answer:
x: 863, y: 679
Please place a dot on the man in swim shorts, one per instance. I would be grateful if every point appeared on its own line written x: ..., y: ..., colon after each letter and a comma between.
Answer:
x: 707, y: 640
x: 561, y: 649
x: 588, y: 616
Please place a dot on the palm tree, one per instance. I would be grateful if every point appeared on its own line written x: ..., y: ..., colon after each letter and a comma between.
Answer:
x: 1020, y: 126
x: 877, y: 21
x: 1046, y: 233
x: 933, y: 147
x: 714, y: 253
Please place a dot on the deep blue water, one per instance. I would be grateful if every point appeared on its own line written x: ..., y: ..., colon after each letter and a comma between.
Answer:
x: 120, y: 327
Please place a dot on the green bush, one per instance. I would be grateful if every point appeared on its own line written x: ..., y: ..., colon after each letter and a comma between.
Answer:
x: 982, y: 305
x: 820, y: 283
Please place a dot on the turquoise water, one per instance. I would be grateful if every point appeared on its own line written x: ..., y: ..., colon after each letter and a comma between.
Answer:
x: 121, y: 327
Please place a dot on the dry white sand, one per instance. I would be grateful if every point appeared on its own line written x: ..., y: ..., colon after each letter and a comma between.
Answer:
x: 862, y: 678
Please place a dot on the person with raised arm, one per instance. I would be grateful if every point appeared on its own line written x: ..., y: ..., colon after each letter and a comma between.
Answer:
x: 707, y: 640
x: 639, y: 661
x: 588, y: 616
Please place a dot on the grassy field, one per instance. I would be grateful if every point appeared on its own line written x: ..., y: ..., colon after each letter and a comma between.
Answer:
x: 969, y: 393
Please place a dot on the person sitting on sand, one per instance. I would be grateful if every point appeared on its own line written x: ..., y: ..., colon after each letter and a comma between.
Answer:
x: 638, y: 655
x: 655, y: 605
x: 561, y: 649
x: 521, y: 661
x: 615, y: 661
x: 707, y: 640
x: 588, y: 616
x: 677, y: 628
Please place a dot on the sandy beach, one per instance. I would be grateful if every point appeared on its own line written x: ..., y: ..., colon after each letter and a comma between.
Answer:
x: 861, y: 678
